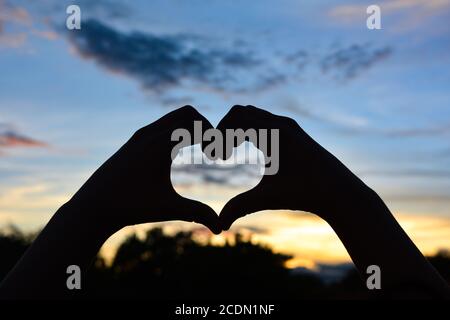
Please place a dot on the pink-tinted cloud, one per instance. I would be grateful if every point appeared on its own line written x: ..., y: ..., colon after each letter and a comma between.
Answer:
x: 45, y: 34
x: 9, y: 139
x: 14, y: 14
x: 409, y: 14
x: 348, y: 12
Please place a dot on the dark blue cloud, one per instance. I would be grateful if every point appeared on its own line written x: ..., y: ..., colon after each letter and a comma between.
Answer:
x: 159, y: 62
x: 349, y: 62
x: 162, y: 62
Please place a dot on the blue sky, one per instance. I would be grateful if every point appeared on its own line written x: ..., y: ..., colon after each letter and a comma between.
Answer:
x: 378, y: 99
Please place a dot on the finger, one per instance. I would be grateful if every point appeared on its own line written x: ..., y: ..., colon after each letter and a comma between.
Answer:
x: 250, y: 120
x: 246, y: 117
x: 178, y: 129
x: 183, y: 117
x: 188, y: 130
x: 196, y: 211
x: 185, y: 112
x: 194, y: 122
x: 240, y: 206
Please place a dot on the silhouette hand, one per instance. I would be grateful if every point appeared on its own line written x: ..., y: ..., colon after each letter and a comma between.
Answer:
x: 309, y: 177
x: 134, y: 185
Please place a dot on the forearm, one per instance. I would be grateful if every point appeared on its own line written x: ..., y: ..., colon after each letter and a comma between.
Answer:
x: 70, y: 238
x: 372, y: 236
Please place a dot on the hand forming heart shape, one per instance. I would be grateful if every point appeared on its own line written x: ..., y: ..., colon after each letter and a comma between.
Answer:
x: 119, y: 190
x: 307, y: 173
x: 298, y: 183
x: 308, y: 178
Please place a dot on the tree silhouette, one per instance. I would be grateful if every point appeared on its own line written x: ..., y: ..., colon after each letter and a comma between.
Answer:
x: 172, y: 267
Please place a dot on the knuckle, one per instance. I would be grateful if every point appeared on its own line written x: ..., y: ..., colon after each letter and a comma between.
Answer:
x: 252, y: 108
x: 289, y: 121
x: 190, y: 113
x: 138, y: 133
x: 232, y: 115
x: 237, y: 108
x: 188, y: 109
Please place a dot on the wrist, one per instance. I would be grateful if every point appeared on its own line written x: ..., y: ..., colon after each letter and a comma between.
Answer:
x: 87, y: 220
x: 349, y: 202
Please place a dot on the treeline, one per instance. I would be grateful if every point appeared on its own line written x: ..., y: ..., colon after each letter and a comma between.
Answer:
x: 162, y: 266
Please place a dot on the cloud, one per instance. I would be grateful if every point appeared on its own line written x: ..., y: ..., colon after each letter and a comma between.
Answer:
x: 444, y: 153
x: 227, y: 175
x: 105, y: 8
x: 329, y: 273
x: 413, y: 132
x: 416, y: 198
x: 13, y: 139
x: 10, y: 138
x: 45, y: 34
x: 24, y: 27
x: 355, y: 125
x: 304, y: 112
x: 427, y: 173
x: 340, y: 122
x: 29, y: 205
x: 161, y: 62
x: 255, y: 229
x: 347, y: 63
x: 299, y: 58
x: 420, y: 131
x: 170, y: 101
x: 14, y: 15
x: 390, y: 7
x: 343, y: 62
x: 413, y: 11
x: 164, y: 62
x: 15, y: 40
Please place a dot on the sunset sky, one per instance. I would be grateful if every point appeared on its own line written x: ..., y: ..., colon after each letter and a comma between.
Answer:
x: 377, y: 99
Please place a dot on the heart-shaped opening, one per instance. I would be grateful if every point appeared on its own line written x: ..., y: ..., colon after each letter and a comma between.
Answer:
x: 215, y: 182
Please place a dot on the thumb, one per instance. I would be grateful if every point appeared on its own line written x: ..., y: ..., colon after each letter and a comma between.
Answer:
x: 240, y: 206
x: 196, y: 211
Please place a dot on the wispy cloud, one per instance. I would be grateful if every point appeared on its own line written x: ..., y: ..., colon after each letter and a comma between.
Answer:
x: 17, y: 26
x: 348, y: 11
x: 13, y: 40
x: 10, y: 138
x: 354, y: 125
x: 13, y: 14
x: 164, y: 62
x: 13, y: 139
x: 316, y: 242
x: 409, y: 14
x: 419, y: 198
x: 46, y: 34
x: 419, y: 131
x: 161, y: 62
x: 108, y: 9
x: 227, y: 175
x: 444, y: 153
x: 30, y: 205
x: 426, y: 173
x: 338, y: 121
x: 347, y: 63
x: 411, y: 132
